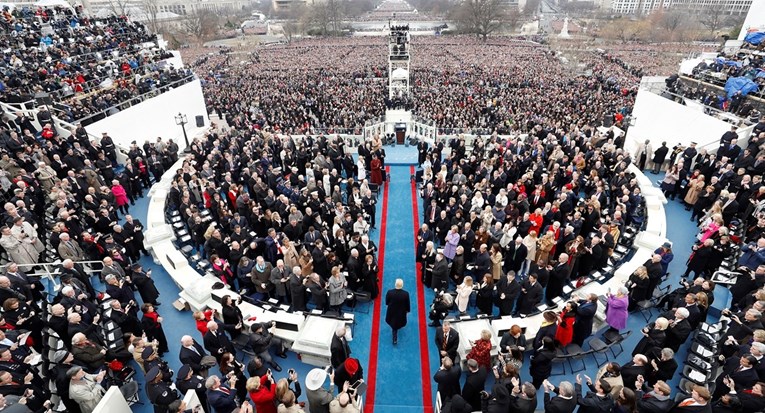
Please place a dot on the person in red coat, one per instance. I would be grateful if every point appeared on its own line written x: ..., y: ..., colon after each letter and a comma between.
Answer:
x: 481, y: 351
x: 120, y: 196
x: 152, y: 326
x: 564, y: 334
x: 202, y: 318
x: 376, y: 167
x: 262, y: 392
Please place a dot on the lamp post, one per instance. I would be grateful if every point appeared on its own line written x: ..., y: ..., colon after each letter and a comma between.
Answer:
x: 181, y: 119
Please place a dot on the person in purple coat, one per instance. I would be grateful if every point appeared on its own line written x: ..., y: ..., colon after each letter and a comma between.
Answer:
x: 452, y: 241
x: 616, y: 311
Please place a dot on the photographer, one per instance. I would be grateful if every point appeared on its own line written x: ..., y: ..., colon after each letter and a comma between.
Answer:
x: 345, y: 402
x: 439, y: 309
x: 262, y: 340
x: 263, y: 392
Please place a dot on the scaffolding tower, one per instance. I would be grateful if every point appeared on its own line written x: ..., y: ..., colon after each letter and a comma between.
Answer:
x: 398, y: 61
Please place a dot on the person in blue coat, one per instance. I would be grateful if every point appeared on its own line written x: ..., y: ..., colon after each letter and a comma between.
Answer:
x: 666, y: 256
x: 754, y: 254
x: 585, y: 314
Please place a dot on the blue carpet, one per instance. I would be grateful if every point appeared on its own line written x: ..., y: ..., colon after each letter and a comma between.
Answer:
x: 398, y: 366
x: 399, y: 370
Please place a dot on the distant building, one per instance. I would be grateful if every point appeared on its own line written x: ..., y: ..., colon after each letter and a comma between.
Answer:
x: 137, y: 8
x: 284, y: 5
x: 648, y: 6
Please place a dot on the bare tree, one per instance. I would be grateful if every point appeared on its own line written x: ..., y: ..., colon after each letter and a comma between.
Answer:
x: 335, y: 12
x: 119, y: 7
x: 481, y: 17
x: 513, y: 17
x: 200, y: 23
x: 531, y: 7
x: 151, y: 9
x: 671, y: 21
x: 318, y: 16
x: 293, y: 23
x: 713, y: 17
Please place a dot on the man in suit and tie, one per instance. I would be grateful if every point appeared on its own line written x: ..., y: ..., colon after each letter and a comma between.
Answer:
x: 220, y: 396
x: 729, y: 209
x: 447, y: 341
x: 68, y: 268
x: 339, y: 349
x: 311, y: 236
x: 531, y: 295
x: 113, y: 268
x: 32, y: 290
x: 598, y: 400
x: 732, y: 150
x: 697, y: 403
x: 564, y: 402
x: 432, y: 213
x: 655, y: 401
x: 192, y: 353
x: 678, y: 331
x: 558, y: 277
x: 739, y: 370
x: 475, y: 382
x: 69, y: 248
x: 440, y: 274
x: 448, y: 379
x: 523, y: 399
x: 422, y: 151
x: 482, y: 262
x: 537, y: 201
x: 216, y: 341
x: 585, y: 313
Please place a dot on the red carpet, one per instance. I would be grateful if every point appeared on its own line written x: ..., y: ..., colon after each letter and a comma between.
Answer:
x: 369, y: 404
x: 423, y: 324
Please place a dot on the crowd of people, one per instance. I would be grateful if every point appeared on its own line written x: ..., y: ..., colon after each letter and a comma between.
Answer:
x: 485, y: 209
x: 85, y: 65
x: 459, y: 82
x: 507, y: 224
x: 326, y: 85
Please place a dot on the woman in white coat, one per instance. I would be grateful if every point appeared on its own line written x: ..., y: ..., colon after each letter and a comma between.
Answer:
x: 22, y: 253
x: 463, y: 294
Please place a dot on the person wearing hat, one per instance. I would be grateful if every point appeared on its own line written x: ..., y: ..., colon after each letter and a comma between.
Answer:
x: 665, y: 251
x: 151, y: 359
x: 319, y: 398
x: 108, y: 148
x: 63, y: 360
x: 85, y: 389
x: 261, y: 341
x: 349, y: 372
x: 159, y: 391
x: 187, y: 380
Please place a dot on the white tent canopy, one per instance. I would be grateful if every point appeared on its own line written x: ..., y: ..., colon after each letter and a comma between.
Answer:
x: 400, y: 73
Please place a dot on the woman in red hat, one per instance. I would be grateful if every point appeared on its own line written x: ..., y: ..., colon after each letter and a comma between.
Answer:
x: 350, y: 371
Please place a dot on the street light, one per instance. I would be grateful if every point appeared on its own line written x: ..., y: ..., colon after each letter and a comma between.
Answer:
x: 181, y: 119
